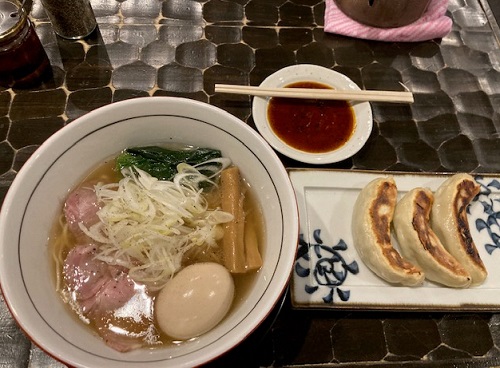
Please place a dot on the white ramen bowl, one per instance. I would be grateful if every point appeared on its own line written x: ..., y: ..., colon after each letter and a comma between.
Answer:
x: 314, y: 73
x: 39, y: 190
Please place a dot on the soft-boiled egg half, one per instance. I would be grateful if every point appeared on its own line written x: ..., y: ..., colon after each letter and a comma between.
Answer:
x: 195, y: 300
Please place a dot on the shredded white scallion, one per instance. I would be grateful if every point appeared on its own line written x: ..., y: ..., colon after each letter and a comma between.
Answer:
x: 148, y: 224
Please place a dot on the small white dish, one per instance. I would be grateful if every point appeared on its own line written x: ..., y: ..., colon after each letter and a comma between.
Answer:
x: 313, y: 73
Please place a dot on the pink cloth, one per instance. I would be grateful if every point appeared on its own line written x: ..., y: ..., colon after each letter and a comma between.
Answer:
x: 433, y: 24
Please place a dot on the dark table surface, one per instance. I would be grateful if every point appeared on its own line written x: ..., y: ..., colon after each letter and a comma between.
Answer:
x: 181, y: 48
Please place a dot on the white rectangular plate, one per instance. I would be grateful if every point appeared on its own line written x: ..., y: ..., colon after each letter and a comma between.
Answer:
x: 329, y: 273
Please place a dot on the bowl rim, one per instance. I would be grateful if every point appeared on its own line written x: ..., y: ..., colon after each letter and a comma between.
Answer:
x: 77, y: 128
x: 323, y: 75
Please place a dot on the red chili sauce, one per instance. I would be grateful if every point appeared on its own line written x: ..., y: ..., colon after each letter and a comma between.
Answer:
x: 311, y: 125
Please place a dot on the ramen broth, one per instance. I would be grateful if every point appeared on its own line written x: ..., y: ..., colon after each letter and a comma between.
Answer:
x: 137, y: 318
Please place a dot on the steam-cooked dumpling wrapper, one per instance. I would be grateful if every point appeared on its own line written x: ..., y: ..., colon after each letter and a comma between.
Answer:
x: 450, y: 223
x: 371, y: 230
x: 419, y: 244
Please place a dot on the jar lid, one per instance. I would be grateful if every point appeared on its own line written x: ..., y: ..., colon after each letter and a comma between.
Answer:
x: 12, y: 18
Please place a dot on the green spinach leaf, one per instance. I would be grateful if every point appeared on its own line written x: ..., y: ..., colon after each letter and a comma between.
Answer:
x: 161, y: 162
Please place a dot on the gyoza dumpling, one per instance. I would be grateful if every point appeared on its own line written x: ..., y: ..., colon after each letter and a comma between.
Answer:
x: 371, y: 230
x: 418, y: 242
x: 450, y: 223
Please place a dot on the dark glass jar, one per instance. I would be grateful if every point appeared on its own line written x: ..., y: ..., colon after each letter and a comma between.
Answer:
x: 23, y: 61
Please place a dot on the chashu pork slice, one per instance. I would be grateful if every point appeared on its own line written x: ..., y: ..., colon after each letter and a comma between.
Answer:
x: 419, y: 244
x: 449, y: 222
x: 371, y: 230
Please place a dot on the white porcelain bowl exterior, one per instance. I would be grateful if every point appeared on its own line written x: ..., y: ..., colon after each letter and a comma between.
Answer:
x: 39, y: 190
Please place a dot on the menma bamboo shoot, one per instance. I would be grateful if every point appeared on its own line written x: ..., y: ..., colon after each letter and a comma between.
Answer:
x: 241, y: 253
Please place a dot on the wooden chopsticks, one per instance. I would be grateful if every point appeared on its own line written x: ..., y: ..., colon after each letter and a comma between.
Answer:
x: 321, y: 94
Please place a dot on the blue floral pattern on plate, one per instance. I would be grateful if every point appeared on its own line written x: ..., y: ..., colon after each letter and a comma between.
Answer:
x: 489, y: 221
x: 330, y: 269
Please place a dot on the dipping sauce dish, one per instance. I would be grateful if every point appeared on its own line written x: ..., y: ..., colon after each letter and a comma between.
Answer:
x: 312, y: 131
x: 310, y: 125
